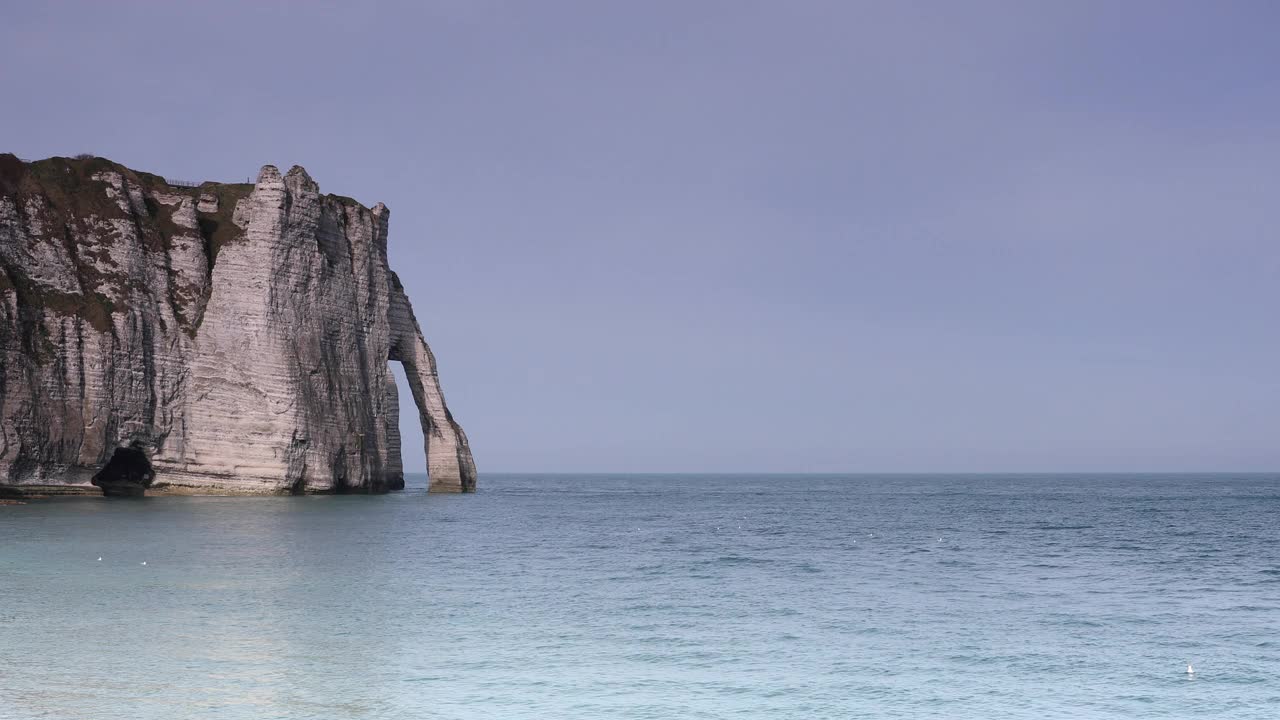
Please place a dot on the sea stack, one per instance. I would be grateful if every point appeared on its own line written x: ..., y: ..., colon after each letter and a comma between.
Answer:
x: 222, y: 338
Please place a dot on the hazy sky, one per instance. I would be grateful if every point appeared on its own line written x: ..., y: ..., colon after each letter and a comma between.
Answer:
x: 743, y: 236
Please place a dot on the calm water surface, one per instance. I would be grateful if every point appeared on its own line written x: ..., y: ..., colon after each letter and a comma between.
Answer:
x: 654, y: 597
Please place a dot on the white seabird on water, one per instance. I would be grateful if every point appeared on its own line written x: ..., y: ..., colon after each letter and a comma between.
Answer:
x: 99, y: 559
x: 144, y: 562
x: 1190, y: 670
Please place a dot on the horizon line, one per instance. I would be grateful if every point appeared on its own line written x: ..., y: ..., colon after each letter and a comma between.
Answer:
x: 869, y: 472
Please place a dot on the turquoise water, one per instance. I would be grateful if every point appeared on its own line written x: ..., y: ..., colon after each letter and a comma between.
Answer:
x: 654, y: 597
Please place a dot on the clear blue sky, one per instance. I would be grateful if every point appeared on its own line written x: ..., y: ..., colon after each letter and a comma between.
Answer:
x: 755, y: 236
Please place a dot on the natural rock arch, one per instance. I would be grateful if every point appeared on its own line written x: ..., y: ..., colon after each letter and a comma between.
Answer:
x: 449, y: 464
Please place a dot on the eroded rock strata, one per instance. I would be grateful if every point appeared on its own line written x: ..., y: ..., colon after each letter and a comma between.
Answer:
x: 220, y: 338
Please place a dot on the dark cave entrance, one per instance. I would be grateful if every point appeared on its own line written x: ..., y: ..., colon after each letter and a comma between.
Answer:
x: 127, y: 474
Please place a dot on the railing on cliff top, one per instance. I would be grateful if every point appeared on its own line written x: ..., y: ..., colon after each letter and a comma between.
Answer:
x: 194, y: 184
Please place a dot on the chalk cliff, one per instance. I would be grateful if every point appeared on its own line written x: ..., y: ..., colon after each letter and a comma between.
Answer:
x: 219, y: 338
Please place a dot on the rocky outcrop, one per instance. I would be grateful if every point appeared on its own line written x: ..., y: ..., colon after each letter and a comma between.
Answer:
x: 223, y: 338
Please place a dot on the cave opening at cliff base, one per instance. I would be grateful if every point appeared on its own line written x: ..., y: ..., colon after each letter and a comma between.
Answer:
x: 128, y: 472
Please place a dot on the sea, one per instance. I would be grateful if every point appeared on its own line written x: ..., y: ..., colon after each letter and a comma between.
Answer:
x: 654, y: 596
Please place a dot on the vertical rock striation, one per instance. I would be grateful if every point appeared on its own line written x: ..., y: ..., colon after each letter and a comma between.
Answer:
x: 226, y: 338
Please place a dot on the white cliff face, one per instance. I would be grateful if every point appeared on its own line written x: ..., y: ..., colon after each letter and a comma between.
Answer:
x: 395, y: 465
x: 226, y: 338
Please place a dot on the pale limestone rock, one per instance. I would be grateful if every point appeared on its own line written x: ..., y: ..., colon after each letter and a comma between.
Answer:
x: 395, y: 465
x: 208, y: 203
x: 236, y: 336
x: 449, y: 464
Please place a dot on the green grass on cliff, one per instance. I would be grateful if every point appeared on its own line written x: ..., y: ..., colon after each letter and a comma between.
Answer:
x: 73, y: 207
